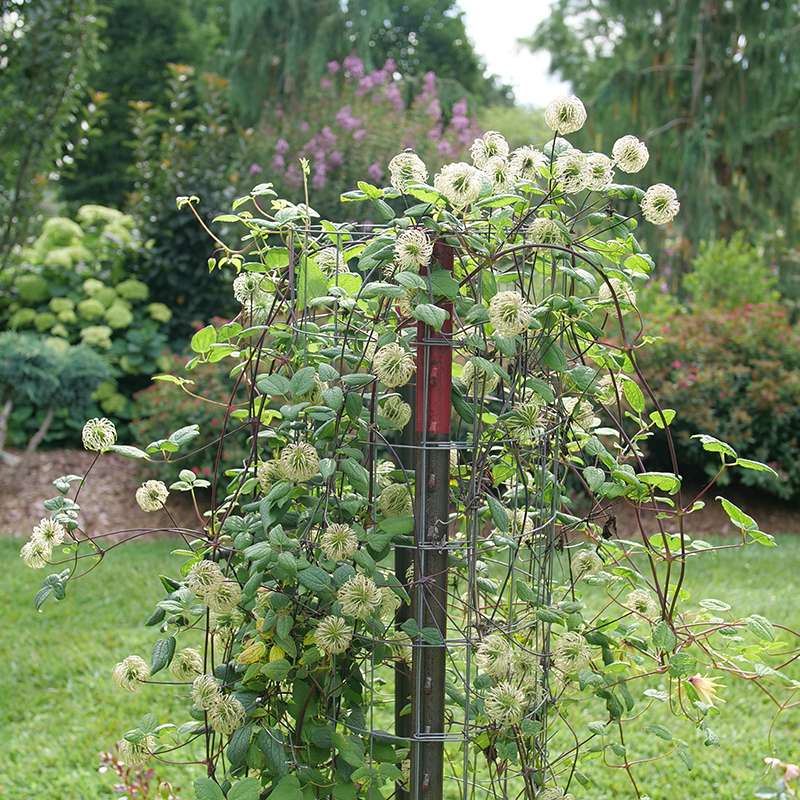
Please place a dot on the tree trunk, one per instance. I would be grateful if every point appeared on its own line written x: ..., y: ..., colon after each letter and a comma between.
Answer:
x: 37, y: 437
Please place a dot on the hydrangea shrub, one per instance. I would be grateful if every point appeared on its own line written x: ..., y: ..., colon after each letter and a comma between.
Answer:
x: 284, y: 625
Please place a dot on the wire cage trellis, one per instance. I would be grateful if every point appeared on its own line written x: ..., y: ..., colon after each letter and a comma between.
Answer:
x: 439, y: 413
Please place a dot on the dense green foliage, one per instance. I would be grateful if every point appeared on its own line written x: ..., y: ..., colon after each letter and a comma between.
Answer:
x: 140, y: 38
x: 713, y: 87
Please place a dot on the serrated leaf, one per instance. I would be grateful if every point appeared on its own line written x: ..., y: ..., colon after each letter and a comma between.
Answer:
x: 664, y: 638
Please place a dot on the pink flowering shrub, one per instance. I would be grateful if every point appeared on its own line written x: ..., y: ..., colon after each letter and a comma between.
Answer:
x: 351, y: 126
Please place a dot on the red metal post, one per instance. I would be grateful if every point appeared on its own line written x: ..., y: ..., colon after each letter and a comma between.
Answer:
x: 433, y: 412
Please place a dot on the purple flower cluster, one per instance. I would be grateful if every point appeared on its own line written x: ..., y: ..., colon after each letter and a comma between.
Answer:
x: 372, y: 108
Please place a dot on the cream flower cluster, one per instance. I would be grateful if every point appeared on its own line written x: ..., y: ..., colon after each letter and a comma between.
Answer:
x: 38, y: 550
x: 338, y: 542
x: 565, y: 114
x: 407, y: 168
x: 152, y: 495
x: 359, y: 597
x: 412, y: 250
x: 99, y: 435
x: 331, y: 261
x: 333, y: 635
x: 509, y: 313
x: 395, y: 412
x: 299, y: 462
x: 130, y: 673
x: 478, y: 378
x: 394, y: 501
x: 207, y: 581
x: 393, y: 365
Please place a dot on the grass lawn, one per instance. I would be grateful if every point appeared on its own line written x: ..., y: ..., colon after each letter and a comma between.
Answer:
x: 58, y: 708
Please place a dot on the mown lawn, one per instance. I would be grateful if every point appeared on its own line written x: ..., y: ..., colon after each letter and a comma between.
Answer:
x: 58, y: 708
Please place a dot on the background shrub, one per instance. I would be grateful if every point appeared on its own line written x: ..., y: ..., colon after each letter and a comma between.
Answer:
x: 72, y: 286
x: 736, y: 375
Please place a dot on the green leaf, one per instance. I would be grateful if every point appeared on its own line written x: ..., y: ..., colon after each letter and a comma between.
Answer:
x: 239, y: 744
x: 664, y: 638
x: 202, y: 341
x: 443, y: 284
x: 761, y: 627
x: 666, y: 481
x: 288, y: 788
x: 431, y: 315
x: 553, y: 356
x: 270, y: 743
x: 315, y: 579
x: 735, y: 514
x: 245, y: 789
x: 163, y: 650
x: 713, y: 445
x: 302, y: 381
x: 274, y: 385
x: 668, y: 415
x: 542, y: 388
x: 758, y: 466
x: 311, y: 282
x: 499, y: 515
x: 634, y: 395
x: 128, y: 451
x: 660, y: 731
x: 594, y: 477
x: 206, y: 789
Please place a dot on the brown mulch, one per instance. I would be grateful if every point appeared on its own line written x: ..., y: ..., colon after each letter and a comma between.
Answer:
x: 107, y: 499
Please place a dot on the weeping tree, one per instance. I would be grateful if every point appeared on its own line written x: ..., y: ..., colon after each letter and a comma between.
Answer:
x: 714, y: 85
x: 47, y: 51
x: 304, y: 35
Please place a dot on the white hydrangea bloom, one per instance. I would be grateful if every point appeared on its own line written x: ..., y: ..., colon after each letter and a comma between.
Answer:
x: 338, y: 542
x: 460, y: 184
x: 99, y: 434
x: 395, y: 412
x: 205, y: 690
x: 130, y: 672
x: 572, y: 171
x: 527, y: 163
x: 393, y: 365
x: 565, y: 114
x: 412, y: 250
x: 225, y: 714
x: 333, y: 635
x: 630, y: 154
x: 49, y: 531
x: 509, y: 313
x: 359, y: 597
x: 300, y: 462
x: 407, y: 168
x: 660, y: 204
x: 35, y: 553
x: 152, y: 495
x: 488, y: 146
x: 601, y: 170
x: 186, y: 664
x: 505, y: 704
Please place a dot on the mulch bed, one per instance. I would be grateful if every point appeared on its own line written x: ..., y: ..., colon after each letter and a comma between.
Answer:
x: 107, y: 499
x: 108, y: 504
